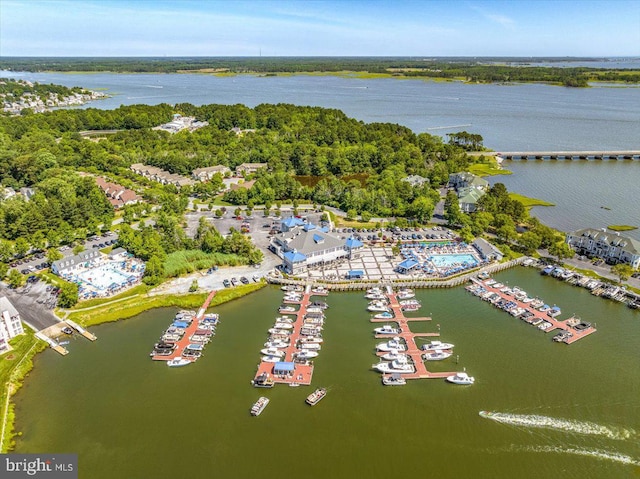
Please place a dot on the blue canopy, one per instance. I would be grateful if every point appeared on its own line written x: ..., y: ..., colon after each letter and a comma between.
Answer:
x: 284, y: 367
x: 180, y: 324
x: 294, y: 257
x: 353, y: 243
x: 356, y: 273
x: 408, y: 264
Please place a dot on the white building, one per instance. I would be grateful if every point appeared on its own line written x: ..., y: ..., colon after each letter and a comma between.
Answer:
x: 10, y: 324
x: 609, y: 245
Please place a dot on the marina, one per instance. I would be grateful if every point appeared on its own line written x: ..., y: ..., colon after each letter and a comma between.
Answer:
x: 518, y: 304
x: 293, y: 343
x: 183, y: 342
x: 405, y: 342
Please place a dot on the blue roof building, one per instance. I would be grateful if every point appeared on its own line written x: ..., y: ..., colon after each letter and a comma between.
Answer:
x: 289, y: 223
x: 408, y: 265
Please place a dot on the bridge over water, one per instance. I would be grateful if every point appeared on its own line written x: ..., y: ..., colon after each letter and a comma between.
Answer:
x: 564, y: 155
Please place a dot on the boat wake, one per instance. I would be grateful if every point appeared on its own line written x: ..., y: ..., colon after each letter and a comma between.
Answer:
x: 595, y: 453
x: 448, y: 127
x: 566, y: 425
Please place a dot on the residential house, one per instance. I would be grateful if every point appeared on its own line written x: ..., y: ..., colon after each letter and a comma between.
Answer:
x: 416, y: 180
x: 10, y: 324
x: 469, y: 188
x: 613, y: 247
x: 161, y: 176
x: 117, y: 195
x: 249, y: 168
x: 205, y: 174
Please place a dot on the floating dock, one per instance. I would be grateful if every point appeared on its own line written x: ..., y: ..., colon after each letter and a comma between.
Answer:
x: 81, y: 330
x: 409, y: 338
x: 565, y: 325
x: 303, y: 372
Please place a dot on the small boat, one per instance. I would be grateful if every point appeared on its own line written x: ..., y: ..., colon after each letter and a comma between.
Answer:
x: 385, y: 315
x: 286, y: 309
x: 67, y: 330
x: 436, y: 355
x: 279, y: 331
x: 378, y: 306
x: 63, y: 343
x: 393, y: 355
x: 554, y: 312
x: 461, y: 378
x: 387, y: 329
x: 306, y: 354
x: 405, y: 294
x: 394, y: 380
x: 410, y: 302
x: 263, y: 381
x: 283, y: 326
x: 410, y: 307
x: 259, y: 406
x: 271, y: 359
x: 278, y: 344
x: 294, y: 385
x: 177, y: 362
x: 272, y: 352
x: 377, y: 295
x: 311, y: 346
x: 436, y: 346
x: 292, y: 287
x: 316, y: 396
x: 310, y: 339
x: 394, y: 344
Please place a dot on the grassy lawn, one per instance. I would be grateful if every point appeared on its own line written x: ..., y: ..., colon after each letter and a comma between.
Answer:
x: 529, y: 202
x: 136, y: 290
x: 487, y: 166
x: 345, y: 223
x: 138, y: 304
x: 622, y: 227
x: 217, y: 201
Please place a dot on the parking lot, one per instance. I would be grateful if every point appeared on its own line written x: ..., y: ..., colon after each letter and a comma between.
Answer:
x: 34, y: 301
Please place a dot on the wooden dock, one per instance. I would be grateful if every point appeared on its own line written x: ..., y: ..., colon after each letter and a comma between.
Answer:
x: 81, y: 330
x: 186, y: 338
x: 565, y: 325
x: 409, y: 337
x: 303, y: 373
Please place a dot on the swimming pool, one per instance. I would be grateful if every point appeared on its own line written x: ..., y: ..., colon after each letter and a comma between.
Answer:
x: 101, y: 277
x: 449, y: 260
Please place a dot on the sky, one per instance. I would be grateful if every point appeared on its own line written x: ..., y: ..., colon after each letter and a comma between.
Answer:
x: 320, y: 28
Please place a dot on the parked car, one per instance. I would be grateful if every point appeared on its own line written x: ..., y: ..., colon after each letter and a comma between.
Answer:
x: 226, y: 283
x: 234, y: 281
x: 244, y: 280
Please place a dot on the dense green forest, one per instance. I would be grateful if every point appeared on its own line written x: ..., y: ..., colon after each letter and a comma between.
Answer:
x: 355, y: 166
x: 469, y: 69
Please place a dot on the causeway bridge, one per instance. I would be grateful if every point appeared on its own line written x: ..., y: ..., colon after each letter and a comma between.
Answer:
x: 566, y: 155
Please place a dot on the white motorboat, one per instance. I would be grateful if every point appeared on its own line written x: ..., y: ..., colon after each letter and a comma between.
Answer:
x: 316, y: 396
x: 292, y: 287
x: 310, y: 339
x: 461, y: 378
x: 259, y: 406
x: 278, y: 344
x: 436, y: 346
x: 394, y: 380
x: 405, y: 294
x: 306, y: 354
x: 377, y: 295
x: 378, y: 306
x: 284, y: 319
x: 393, y: 355
x: 396, y: 366
x: 272, y: 352
x: 409, y: 302
x: 177, y: 362
x: 271, y: 359
x: 394, y: 344
x: 436, y: 355
x: 283, y: 326
x: 311, y: 346
x: 385, y: 315
x: 387, y: 329
x: 279, y: 332
x: 286, y: 309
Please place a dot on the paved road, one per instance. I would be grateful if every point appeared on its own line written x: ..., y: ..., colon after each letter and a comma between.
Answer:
x: 32, y: 312
x: 604, y: 270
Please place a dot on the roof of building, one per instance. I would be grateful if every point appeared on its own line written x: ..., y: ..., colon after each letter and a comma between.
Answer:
x: 211, y: 169
x: 486, y: 248
x: 309, y: 227
x: 294, y: 257
x: 117, y: 251
x: 469, y: 195
x: 612, y: 238
x: 355, y: 272
x: 415, y: 180
x: 307, y: 242
x: 353, y: 243
x: 292, y: 222
x: 408, y: 263
x: 284, y: 366
x: 5, y: 305
x: 71, y: 261
x: 252, y: 165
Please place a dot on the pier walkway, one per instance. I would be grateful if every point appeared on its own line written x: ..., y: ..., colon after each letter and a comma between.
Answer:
x: 409, y: 337
x: 303, y: 372
x: 182, y: 344
x: 563, y: 155
x: 565, y: 325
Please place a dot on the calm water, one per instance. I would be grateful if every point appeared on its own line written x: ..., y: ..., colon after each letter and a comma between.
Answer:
x: 128, y: 417
x: 579, y: 189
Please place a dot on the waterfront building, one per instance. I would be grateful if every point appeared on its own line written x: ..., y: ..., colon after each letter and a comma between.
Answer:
x: 249, y: 168
x: 486, y: 250
x: 10, y: 324
x: 469, y: 188
x: 301, y: 247
x: 611, y: 246
x: 60, y: 266
x: 206, y: 174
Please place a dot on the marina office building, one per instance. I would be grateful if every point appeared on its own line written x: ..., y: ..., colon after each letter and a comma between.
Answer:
x: 10, y: 324
x: 303, y: 246
x: 609, y: 245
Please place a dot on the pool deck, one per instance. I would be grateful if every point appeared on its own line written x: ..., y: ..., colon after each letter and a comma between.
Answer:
x: 303, y: 373
x: 409, y: 337
x: 186, y: 339
x: 564, y: 325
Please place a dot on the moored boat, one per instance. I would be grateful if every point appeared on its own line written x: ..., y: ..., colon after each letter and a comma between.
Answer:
x: 316, y: 396
x: 385, y: 315
x: 461, y: 378
x: 272, y: 352
x: 436, y: 345
x: 177, y: 362
x: 436, y: 355
x: 387, y: 329
x: 263, y: 381
x: 394, y: 344
x: 394, y: 380
x: 397, y: 366
x: 259, y: 406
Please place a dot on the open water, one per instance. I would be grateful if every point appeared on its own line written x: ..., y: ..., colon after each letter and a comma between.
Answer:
x: 565, y: 411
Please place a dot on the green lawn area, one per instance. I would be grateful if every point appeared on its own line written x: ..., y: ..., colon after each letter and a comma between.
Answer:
x: 136, y: 290
x: 217, y: 201
x: 188, y: 261
x: 529, y: 202
x: 487, y: 166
